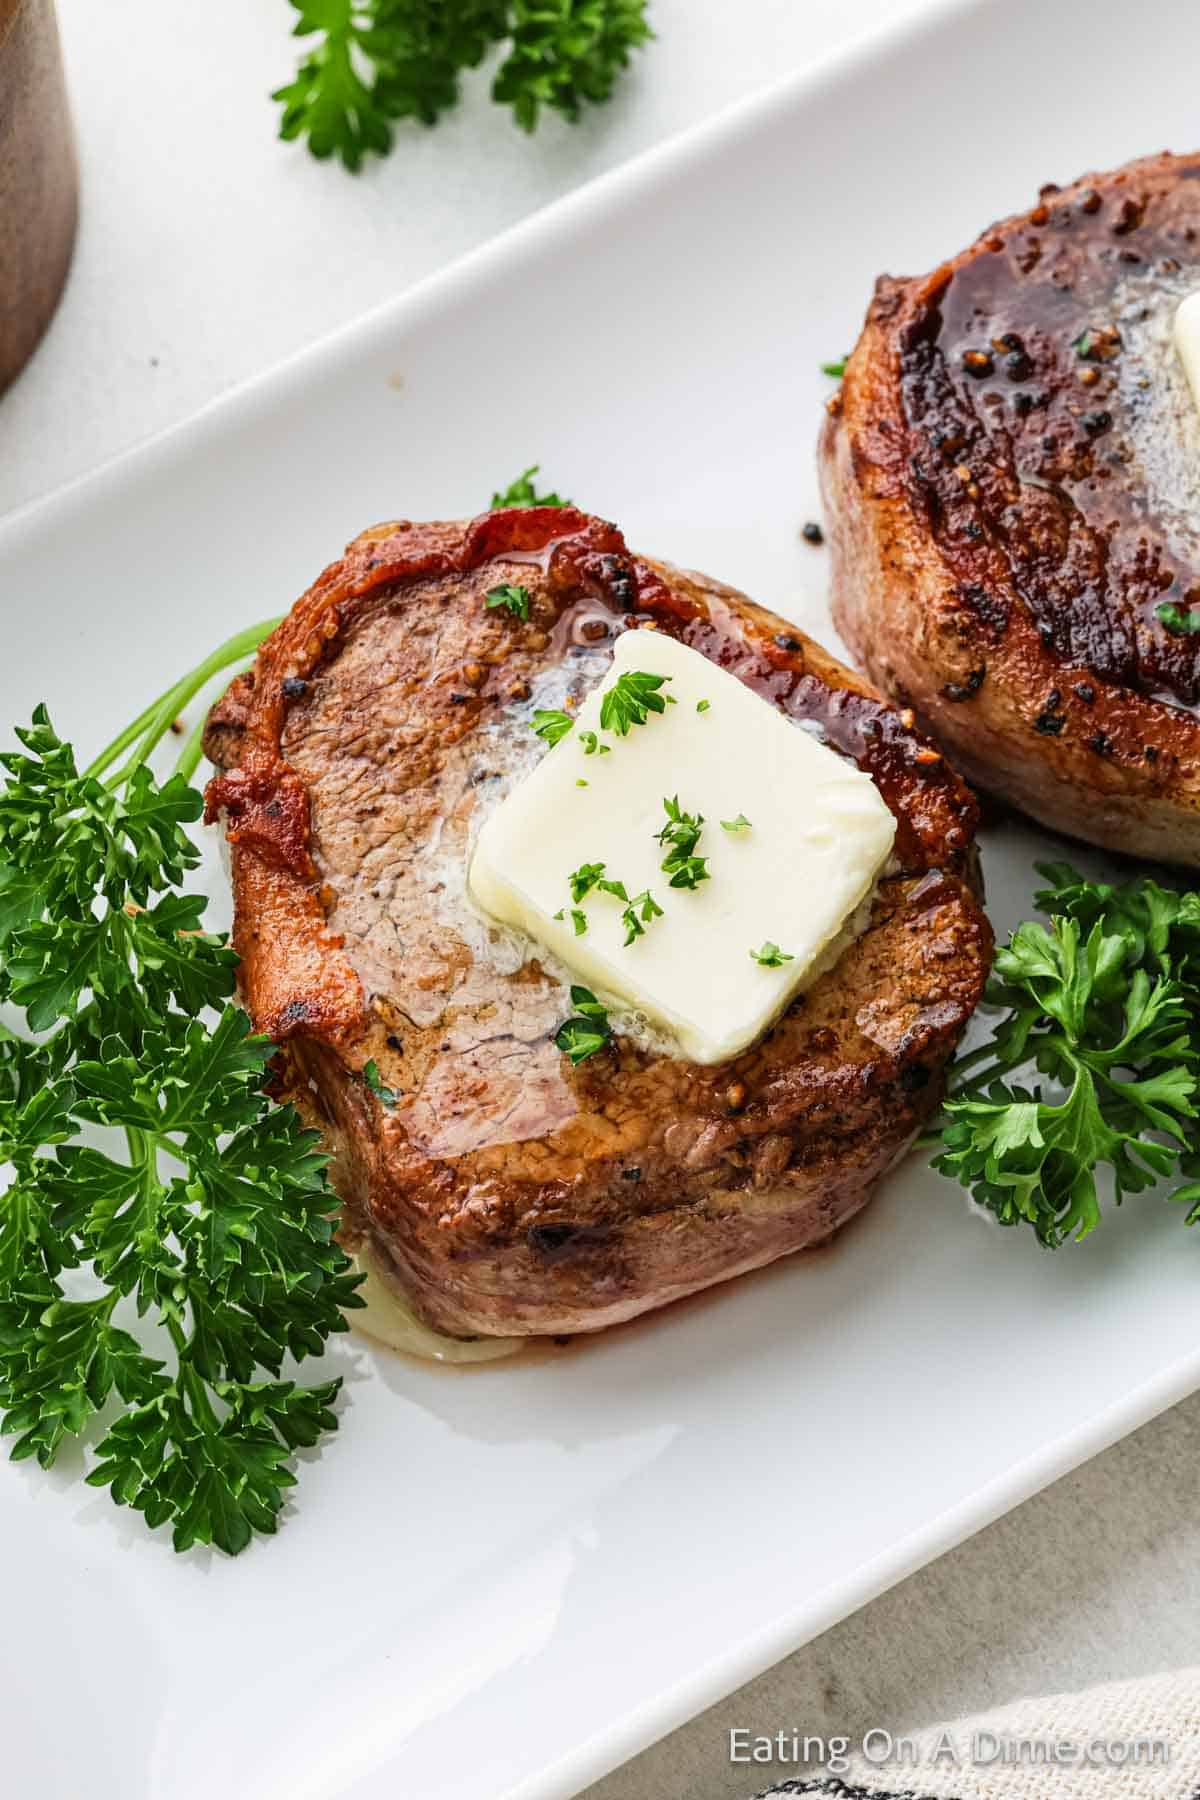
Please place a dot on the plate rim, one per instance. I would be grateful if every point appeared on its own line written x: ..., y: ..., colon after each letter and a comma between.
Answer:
x: 578, y: 208
x: 609, y: 1749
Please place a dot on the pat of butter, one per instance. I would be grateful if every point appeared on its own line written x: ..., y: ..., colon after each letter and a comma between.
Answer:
x: 818, y: 836
x: 1187, y: 341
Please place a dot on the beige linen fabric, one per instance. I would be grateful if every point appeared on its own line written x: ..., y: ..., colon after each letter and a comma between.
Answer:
x: 1132, y: 1713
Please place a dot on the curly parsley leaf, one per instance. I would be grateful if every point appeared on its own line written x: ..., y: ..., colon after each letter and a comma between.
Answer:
x: 567, y: 54
x: 327, y: 102
x: 205, y: 1209
x: 1105, y: 1005
x: 378, y: 61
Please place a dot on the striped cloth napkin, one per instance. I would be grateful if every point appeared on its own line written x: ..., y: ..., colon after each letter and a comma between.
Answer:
x: 1126, y: 1740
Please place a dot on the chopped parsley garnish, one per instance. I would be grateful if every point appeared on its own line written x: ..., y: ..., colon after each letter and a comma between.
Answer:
x: 687, y: 871
x: 680, y: 835
x: 702, y: 706
x: 374, y: 62
x: 578, y: 919
x: 741, y: 823
x: 771, y: 956
x: 522, y: 492
x: 591, y: 744
x: 1179, y: 621
x: 835, y: 370
x: 587, y: 1031
x: 682, y: 829
x: 514, y: 600
x: 580, y: 1038
x: 583, y: 879
x: 631, y: 698
x: 375, y: 1082
x: 639, y: 913
x: 585, y: 1002
x: 552, y: 725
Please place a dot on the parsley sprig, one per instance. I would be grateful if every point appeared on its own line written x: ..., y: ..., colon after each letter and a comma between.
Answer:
x: 1105, y: 1005
x: 201, y: 1205
x: 378, y: 61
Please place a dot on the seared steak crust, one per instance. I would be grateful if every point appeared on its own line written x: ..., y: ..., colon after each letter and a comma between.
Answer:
x: 1010, y: 471
x: 511, y: 1192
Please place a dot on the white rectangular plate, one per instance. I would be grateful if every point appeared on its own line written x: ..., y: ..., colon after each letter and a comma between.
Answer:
x: 503, y: 1581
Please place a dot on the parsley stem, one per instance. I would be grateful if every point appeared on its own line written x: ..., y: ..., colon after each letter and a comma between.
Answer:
x: 193, y: 1384
x: 130, y: 734
x: 193, y: 749
x: 985, y: 1054
x: 164, y: 710
x: 144, y: 1147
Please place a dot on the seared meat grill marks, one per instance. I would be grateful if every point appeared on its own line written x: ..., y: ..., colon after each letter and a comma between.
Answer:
x: 511, y: 1192
x: 1011, y: 472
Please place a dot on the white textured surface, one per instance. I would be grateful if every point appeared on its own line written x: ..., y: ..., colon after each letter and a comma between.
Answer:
x: 208, y: 252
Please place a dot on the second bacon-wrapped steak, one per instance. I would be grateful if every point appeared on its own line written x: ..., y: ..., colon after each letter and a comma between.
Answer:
x: 1011, y: 472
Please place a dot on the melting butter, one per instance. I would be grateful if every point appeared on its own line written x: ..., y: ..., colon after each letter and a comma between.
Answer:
x: 387, y: 1317
x: 811, y: 836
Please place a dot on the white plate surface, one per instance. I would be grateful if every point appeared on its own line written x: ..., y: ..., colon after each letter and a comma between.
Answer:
x: 502, y: 1582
